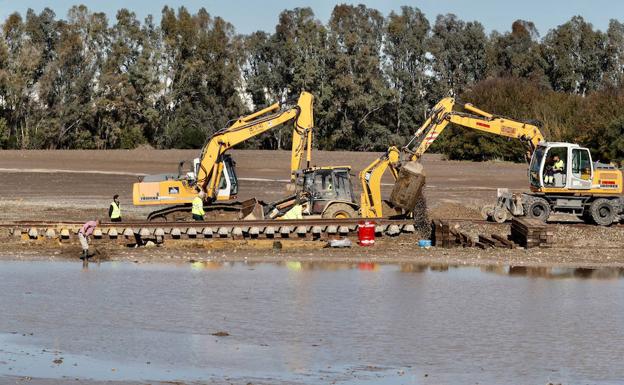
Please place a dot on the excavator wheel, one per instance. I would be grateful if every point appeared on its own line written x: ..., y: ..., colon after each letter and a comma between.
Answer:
x: 538, y: 208
x: 339, y: 211
x: 602, y: 212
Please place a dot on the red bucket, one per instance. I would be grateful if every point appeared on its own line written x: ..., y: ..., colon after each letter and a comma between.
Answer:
x: 366, y: 233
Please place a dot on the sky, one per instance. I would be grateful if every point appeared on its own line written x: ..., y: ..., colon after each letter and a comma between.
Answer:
x: 250, y: 16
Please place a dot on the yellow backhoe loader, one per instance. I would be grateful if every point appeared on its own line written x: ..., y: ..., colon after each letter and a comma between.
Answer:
x: 562, y: 176
x: 214, y: 173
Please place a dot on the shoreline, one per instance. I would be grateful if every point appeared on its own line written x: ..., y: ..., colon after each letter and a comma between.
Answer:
x: 263, y: 251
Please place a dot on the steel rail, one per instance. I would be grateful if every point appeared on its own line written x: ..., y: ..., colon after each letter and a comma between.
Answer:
x: 224, y: 223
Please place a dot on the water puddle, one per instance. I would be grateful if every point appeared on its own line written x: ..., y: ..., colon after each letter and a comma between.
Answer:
x: 311, y: 323
x: 22, y: 359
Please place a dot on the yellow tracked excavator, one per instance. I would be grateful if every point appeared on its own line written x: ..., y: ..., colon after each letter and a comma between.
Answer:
x: 214, y: 171
x: 562, y: 176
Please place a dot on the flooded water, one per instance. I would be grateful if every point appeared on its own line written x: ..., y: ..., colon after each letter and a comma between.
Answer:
x: 311, y: 323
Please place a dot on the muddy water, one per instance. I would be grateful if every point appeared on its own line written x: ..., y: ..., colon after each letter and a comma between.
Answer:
x: 311, y: 323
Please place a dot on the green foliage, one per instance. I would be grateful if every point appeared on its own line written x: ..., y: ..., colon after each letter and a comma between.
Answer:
x: 360, y: 94
x: 131, y: 137
x: 459, y: 51
x: 517, y: 53
x: 85, y: 82
x: 5, y: 135
x: 280, y: 65
x: 576, y: 56
x: 406, y: 63
x: 596, y: 121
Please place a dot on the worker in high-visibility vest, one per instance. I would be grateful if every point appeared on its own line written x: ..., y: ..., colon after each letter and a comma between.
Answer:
x: 114, y: 211
x: 559, y: 171
x: 198, y: 207
x: 295, y: 212
x: 559, y: 164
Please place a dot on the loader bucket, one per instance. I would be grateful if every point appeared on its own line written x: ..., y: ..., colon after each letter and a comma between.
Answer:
x: 251, y: 209
x: 407, y: 190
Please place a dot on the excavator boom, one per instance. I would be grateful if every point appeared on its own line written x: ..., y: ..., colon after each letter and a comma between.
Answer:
x: 408, y: 176
x: 443, y: 113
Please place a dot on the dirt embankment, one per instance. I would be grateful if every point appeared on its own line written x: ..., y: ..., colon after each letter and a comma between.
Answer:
x: 583, y: 247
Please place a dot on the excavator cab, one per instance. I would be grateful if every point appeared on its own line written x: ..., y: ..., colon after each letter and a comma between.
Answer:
x: 329, y: 191
x: 559, y: 166
x: 228, y: 183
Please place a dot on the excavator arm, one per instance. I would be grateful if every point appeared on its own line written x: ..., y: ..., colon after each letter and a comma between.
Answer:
x: 441, y: 115
x: 210, y: 167
x: 172, y: 191
x: 370, y: 179
x: 302, y: 135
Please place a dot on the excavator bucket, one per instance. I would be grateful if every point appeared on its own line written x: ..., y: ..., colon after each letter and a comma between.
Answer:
x: 408, y: 188
x: 251, y: 209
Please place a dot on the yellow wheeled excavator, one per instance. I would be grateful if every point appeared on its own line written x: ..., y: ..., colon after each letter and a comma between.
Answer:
x: 214, y: 172
x: 562, y: 176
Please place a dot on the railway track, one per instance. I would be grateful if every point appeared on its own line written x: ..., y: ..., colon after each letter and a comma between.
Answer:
x: 224, y: 229
x: 158, y: 231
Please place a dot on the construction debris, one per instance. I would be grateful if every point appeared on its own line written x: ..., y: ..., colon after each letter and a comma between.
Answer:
x: 531, y: 233
x: 442, y: 236
x: 525, y: 233
x: 340, y: 243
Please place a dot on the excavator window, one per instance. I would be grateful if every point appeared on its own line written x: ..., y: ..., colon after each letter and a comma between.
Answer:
x: 228, y: 175
x: 329, y: 184
x: 231, y: 172
x: 343, y: 185
x: 556, y: 167
x: 536, y: 166
x: 324, y: 184
x: 581, y: 164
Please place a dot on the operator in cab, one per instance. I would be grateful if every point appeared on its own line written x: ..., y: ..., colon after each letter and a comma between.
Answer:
x: 198, y: 207
x: 558, y: 170
x: 554, y: 166
x: 558, y: 165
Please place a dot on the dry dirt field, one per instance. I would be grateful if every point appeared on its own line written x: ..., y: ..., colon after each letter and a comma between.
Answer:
x: 78, y: 185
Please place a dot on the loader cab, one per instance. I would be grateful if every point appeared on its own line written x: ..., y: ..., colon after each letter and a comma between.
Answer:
x: 559, y: 166
x: 325, y: 186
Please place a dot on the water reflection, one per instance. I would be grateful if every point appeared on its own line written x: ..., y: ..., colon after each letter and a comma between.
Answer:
x: 311, y: 323
x: 368, y: 266
x: 513, y: 271
x: 207, y: 265
x: 565, y: 272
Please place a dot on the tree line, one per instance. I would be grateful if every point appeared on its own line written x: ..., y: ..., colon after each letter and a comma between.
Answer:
x: 88, y: 82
